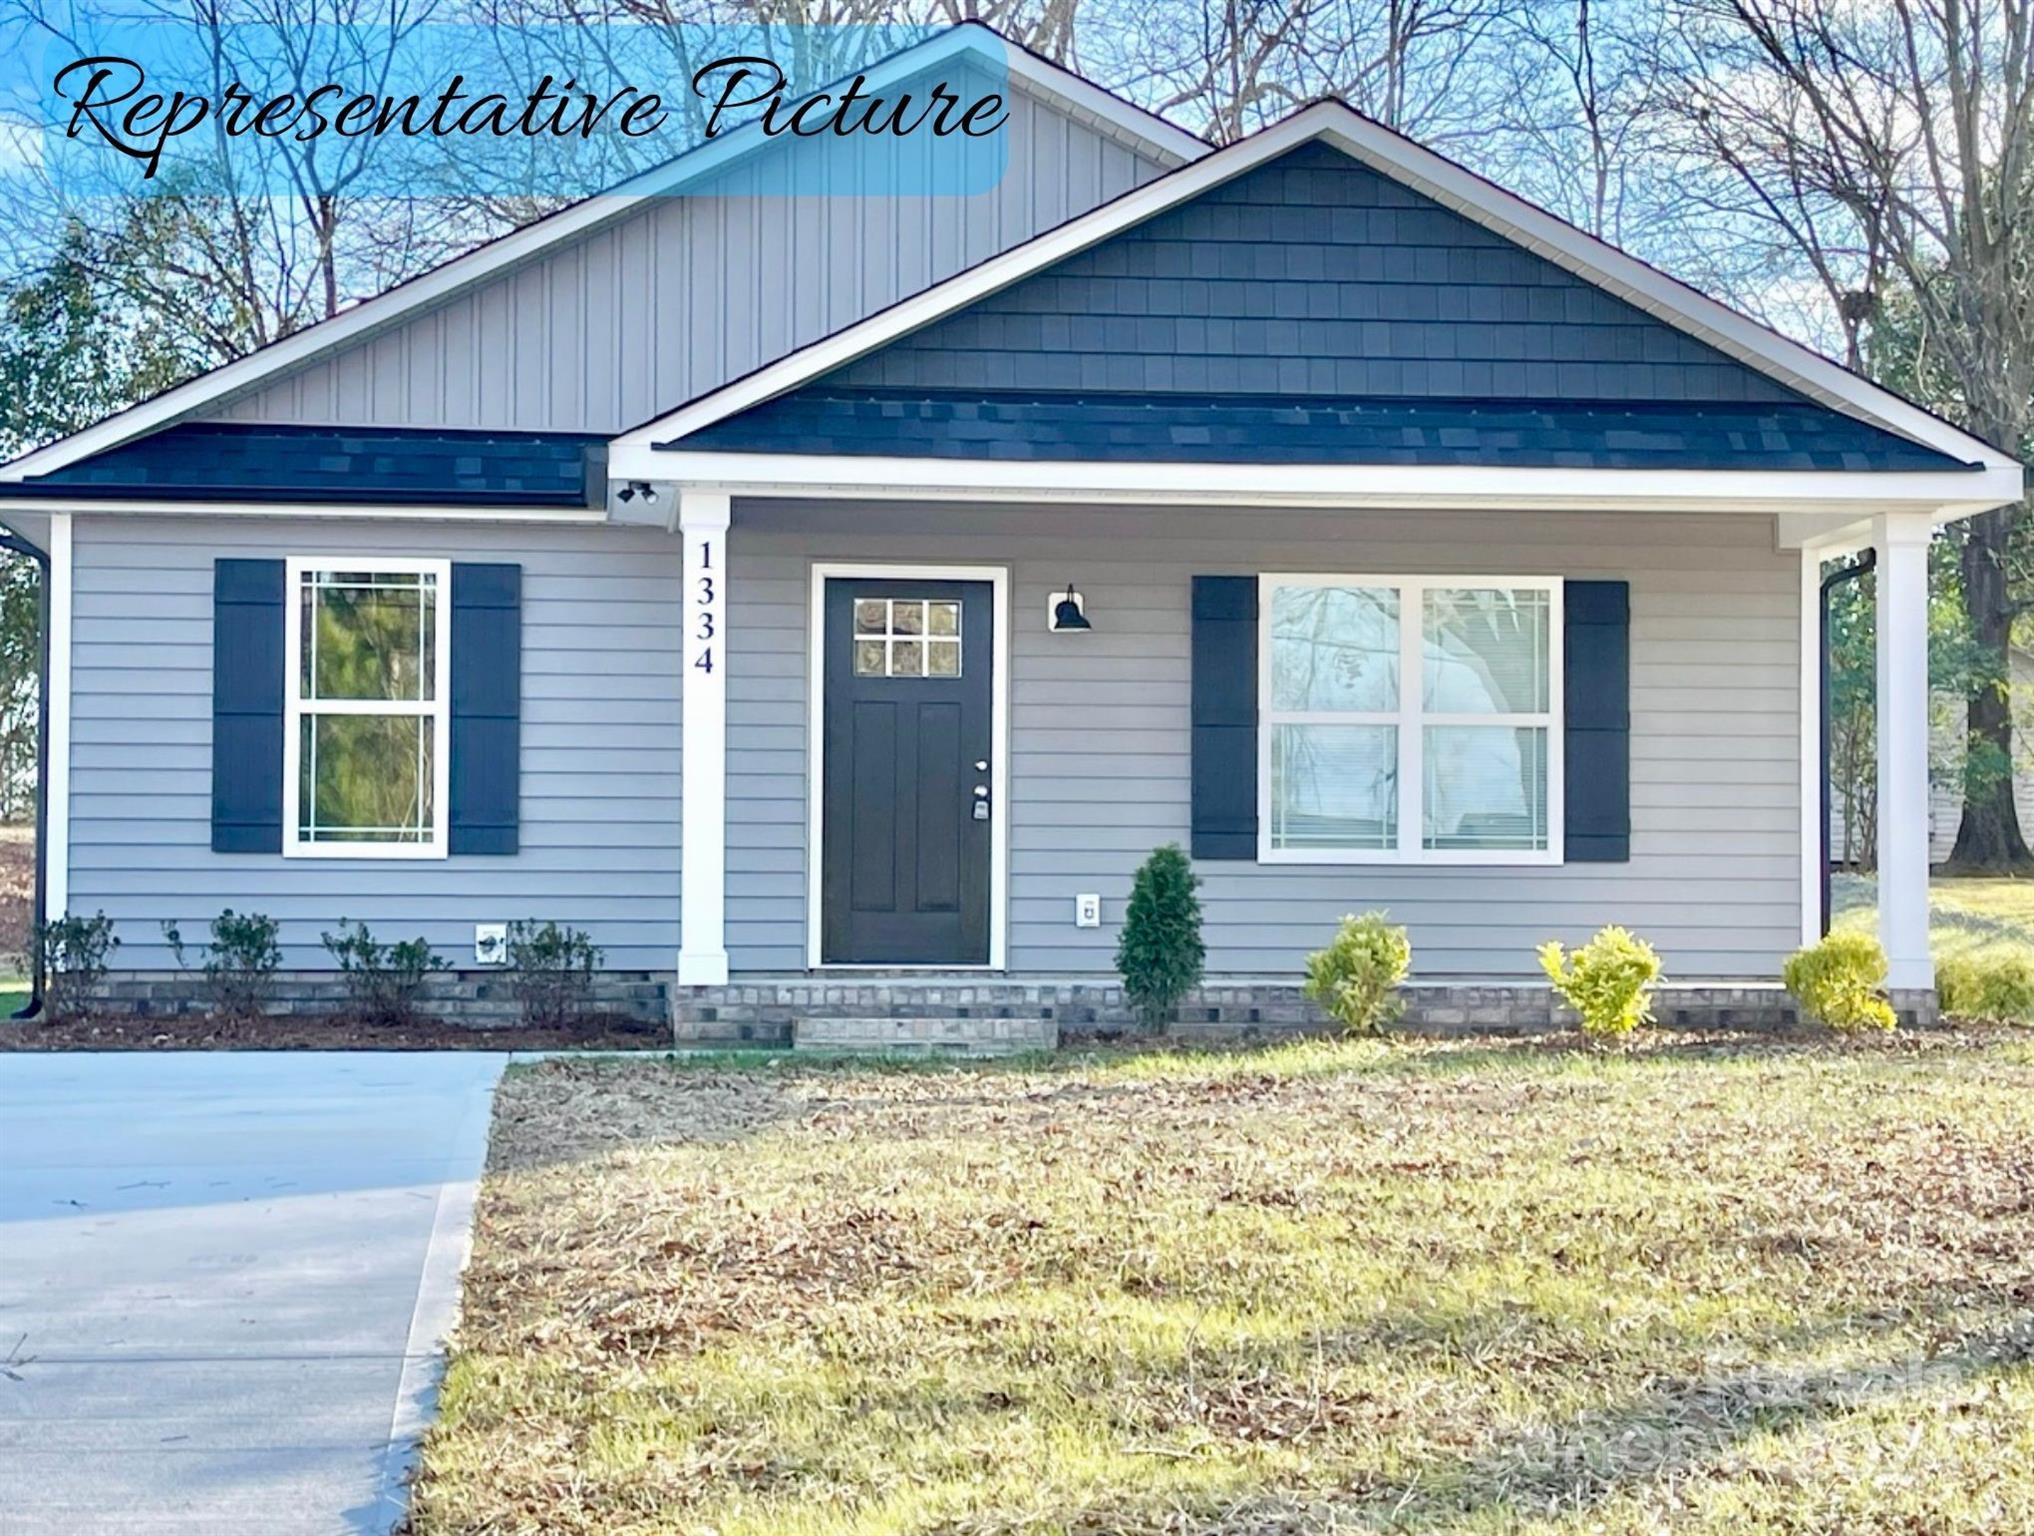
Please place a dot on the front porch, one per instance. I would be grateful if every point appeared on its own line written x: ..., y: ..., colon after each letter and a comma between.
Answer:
x: 1095, y: 765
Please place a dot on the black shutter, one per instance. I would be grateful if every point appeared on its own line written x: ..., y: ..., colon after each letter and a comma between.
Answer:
x: 1596, y: 676
x: 247, y: 706
x: 1225, y: 717
x: 487, y: 706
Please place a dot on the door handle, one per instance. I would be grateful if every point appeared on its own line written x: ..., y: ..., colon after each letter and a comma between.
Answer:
x: 981, y: 806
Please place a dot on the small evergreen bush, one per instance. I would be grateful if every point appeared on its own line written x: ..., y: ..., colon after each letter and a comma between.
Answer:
x: 1356, y: 978
x: 238, y: 962
x: 1160, y: 953
x: 1996, y: 988
x: 551, y: 971
x: 1841, y: 982
x: 382, y: 980
x: 74, y: 954
x: 1609, y: 981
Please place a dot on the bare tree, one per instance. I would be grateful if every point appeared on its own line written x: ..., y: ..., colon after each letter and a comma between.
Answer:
x: 1891, y: 147
x: 245, y: 240
x: 1230, y: 66
x: 1582, y: 114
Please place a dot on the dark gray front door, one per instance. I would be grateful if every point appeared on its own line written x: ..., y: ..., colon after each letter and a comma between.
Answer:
x: 909, y: 735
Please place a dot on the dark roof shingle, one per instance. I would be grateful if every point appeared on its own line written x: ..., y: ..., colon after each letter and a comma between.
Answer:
x: 1583, y: 434
x: 366, y: 465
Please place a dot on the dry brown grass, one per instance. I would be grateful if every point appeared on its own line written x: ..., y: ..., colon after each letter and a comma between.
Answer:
x: 1323, y: 1288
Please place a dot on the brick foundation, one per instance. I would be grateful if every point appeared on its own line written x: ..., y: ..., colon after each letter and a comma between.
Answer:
x: 763, y: 1010
x: 480, y: 999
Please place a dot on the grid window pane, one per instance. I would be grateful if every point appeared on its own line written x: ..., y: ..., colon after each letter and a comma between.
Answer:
x: 365, y: 778
x: 1334, y: 786
x: 1486, y: 651
x: 890, y: 637
x: 369, y: 636
x: 1485, y: 787
x: 1334, y: 648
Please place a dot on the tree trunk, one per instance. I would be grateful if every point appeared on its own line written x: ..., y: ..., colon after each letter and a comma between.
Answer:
x: 1989, y: 840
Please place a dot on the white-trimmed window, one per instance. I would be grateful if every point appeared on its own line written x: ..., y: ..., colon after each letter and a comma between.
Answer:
x: 1409, y: 719
x: 365, y: 761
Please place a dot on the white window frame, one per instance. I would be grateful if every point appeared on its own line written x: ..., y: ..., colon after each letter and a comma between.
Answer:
x: 295, y: 707
x: 1409, y: 719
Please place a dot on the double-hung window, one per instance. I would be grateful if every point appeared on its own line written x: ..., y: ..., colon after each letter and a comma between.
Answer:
x: 368, y: 655
x: 1409, y: 719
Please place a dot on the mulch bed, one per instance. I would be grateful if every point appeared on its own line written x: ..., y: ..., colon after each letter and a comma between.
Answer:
x: 208, y: 1034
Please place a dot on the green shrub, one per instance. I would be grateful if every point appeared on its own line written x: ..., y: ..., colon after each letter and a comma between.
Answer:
x: 74, y: 953
x: 1609, y: 981
x: 239, y: 962
x: 1357, y: 976
x: 382, y: 980
x: 551, y: 971
x: 1996, y: 988
x: 1840, y: 982
x: 1160, y: 953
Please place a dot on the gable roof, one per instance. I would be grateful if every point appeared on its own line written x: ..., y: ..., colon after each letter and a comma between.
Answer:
x: 969, y: 42
x: 1798, y: 369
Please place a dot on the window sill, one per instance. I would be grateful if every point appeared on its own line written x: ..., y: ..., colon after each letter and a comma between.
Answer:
x: 1426, y: 858
x: 404, y: 851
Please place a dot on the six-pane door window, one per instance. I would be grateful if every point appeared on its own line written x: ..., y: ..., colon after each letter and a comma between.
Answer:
x: 366, y: 770
x: 1410, y: 719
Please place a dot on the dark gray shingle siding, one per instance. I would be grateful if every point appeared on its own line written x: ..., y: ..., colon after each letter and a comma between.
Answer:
x: 1313, y: 275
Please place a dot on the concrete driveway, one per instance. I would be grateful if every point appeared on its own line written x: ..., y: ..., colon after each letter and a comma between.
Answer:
x: 223, y: 1283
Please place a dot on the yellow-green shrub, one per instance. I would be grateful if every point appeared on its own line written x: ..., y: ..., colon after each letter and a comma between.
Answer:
x: 1609, y: 981
x: 1993, y: 987
x: 1840, y: 982
x: 1356, y: 976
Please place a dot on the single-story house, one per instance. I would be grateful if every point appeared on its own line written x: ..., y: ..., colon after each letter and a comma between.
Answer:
x: 827, y: 602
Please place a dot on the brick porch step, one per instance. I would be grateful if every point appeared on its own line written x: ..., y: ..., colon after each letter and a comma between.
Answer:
x: 958, y: 1037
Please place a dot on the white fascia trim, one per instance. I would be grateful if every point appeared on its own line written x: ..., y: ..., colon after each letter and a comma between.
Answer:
x: 1670, y: 300
x: 1351, y: 485
x: 1128, y: 121
x: 372, y: 511
x: 57, y: 780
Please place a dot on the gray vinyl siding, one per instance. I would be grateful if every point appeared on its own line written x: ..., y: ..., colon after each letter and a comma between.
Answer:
x: 1100, y: 735
x: 602, y: 658
x: 684, y: 293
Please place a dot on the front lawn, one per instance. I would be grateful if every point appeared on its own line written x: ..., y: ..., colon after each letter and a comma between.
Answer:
x: 1968, y: 917
x: 1760, y: 1288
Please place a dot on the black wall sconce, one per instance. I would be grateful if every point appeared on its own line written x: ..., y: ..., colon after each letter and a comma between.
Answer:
x: 1068, y: 613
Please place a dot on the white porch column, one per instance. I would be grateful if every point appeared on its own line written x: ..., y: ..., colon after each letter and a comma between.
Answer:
x: 1901, y: 539
x: 702, y: 948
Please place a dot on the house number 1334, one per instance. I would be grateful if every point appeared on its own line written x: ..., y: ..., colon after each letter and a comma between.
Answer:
x: 706, y: 606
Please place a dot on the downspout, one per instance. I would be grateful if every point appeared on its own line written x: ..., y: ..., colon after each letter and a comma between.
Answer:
x: 15, y: 542
x: 1867, y: 561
